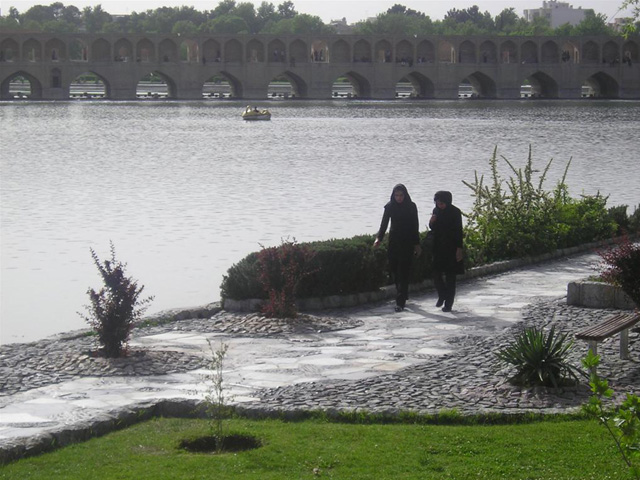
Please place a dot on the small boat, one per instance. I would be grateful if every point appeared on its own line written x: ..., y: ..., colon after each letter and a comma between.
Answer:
x: 252, y: 113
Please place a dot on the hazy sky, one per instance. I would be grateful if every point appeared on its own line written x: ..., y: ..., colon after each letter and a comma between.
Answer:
x: 352, y: 10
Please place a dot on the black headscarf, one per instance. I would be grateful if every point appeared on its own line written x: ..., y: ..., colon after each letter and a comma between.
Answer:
x: 407, y: 197
x: 443, y: 196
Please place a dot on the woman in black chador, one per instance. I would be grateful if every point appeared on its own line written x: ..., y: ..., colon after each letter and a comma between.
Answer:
x: 404, y: 239
x: 446, y: 223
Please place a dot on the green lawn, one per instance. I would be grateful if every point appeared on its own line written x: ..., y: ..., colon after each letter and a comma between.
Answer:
x: 553, y: 450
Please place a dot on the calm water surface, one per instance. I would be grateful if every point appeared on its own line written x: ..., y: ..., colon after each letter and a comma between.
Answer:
x: 186, y: 189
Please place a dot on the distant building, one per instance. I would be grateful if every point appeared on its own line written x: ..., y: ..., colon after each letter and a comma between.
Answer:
x: 558, y: 13
x: 341, y: 26
x: 619, y: 23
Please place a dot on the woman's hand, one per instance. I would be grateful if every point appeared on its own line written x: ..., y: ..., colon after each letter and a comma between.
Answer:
x: 376, y: 243
x: 459, y: 255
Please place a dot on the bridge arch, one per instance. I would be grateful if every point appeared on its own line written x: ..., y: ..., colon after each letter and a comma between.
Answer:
x: 467, y: 52
x: 168, y: 51
x: 359, y: 83
x: 34, y: 85
x: 123, y: 51
x: 55, y: 50
x: 630, y: 50
x: 32, y: 51
x: 9, y: 50
x: 211, y: 51
x: 299, y: 87
x: 189, y: 51
x: 483, y: 86
x: 542, y: 85
x: 529, y: 52
x: 603, y: 85
x: 276, y: 51
x: 232, y: 52
x: 298, y: 52
x: 104, y: 91
x: 172, y: 90
x: 590, y: 52
x: 404, y: 52
x: 509, y: 52
x: 362, y: 51
x: 340, y: 52
x: 255, y: 51
x: 422, y: 85
x: 570, y: 53
x: 383, y: 52
x: 446, y: 52
x: 426, y: 52
x: 550, y: 52
x: 145, y: 51
x: 101, y: 51
x: 78, y: 50
x: 610, y: 53
x: 489, y: 52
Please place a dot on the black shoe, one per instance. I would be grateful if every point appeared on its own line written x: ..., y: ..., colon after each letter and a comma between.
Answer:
x: 439, y: 303
x: 446, y: 309
x: 399, y: 308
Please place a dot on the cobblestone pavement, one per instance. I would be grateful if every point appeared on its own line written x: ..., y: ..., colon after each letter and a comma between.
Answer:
x: 366, y: 358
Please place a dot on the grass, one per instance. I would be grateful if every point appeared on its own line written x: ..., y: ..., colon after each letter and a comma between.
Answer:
x: 310, y: 449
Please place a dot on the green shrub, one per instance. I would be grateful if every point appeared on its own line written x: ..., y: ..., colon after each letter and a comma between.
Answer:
x: 619, y: 216
x: 539, y: 359
x: 115, y: 307
x: 634, y: 221
x: 584, y: 221
x: 241, y: 281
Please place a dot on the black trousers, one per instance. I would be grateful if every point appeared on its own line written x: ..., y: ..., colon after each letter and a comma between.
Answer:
x: 445, y: 283
x: 400, y: 271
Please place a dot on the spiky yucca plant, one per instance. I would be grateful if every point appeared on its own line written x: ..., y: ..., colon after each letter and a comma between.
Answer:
x: 539, y: 359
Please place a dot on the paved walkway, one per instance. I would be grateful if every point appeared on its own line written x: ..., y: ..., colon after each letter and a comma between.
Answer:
x: 421, y: 359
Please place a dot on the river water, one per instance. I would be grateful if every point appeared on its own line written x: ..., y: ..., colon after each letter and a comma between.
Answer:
x: 186, y: 189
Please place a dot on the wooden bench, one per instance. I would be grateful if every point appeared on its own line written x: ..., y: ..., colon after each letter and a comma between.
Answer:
x: 618, y: 323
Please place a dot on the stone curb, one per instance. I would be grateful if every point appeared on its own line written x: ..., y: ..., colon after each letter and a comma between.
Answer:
x: 598, y: 295
x: 388, y: 292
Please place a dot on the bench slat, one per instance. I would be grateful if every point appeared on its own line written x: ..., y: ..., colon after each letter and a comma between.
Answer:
x: 609, y: 327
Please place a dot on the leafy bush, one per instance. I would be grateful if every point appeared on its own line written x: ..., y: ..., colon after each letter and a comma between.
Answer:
x: 585, y: 220
x: 623, y: 423
x: 621, y: 267
x: 539, y: 359
x: 634, y: 221
x: 280, y: 270
x: 619, y: 216
x: 241, y: 281
x: 115, y: 307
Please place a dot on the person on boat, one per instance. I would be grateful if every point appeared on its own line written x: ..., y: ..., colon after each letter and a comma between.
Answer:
x: 404, y: 240
x: 446, y: 224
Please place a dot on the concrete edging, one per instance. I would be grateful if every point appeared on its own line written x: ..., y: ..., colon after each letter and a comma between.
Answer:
x: 585, y: 293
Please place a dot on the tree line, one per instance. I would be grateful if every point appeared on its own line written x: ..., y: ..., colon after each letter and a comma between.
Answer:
x: 231, y: 17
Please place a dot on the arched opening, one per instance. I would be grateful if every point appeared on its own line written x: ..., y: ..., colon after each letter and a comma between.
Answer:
x: 488, y: 52
x: 145, y: 51
x: 298, y: 53
x: 168, y: 51
x: 156, y: 85
x: 211, y: 52
x: 467, y: 52
x: 219, y: 86
x: 20, y: 85
x: 123, y: 51
x: 404, y: 53
x: 415, y: 85
x: 477, y: 85
x: 600, y: 85
x: 189, y: 51
x: 319, y: 51
x: 570, y: 53
x: 88, y: 85
x: 78, y: 51
x: 362, y: 51
x: 447, y: 52
x: 55, y: 51
x: 529, y: 52
x: 101, y: 51
x: 276, y: 52
x: 508, y: 52
x: 233, y: 52
x: 590, y: 53
x: 550, y: 52
x: 425, y: 52
x: 383, y: 52
x: 539, y: 85
x: 287, y: 85
x: 630, y: 54
x: 341, y: 52
x: 9, y: 50
x: 611, y: 53
x: 255, y: 51
x: 351, y: 85
x: 32, y: 51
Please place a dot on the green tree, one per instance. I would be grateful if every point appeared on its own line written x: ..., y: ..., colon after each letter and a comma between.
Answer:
x: 593, y: 24
x: 226, y: 24
x: 506, y: 21
x: 287, y: 10
x: 225, y: 7
x: 95, y: 18
x: 184, y: 27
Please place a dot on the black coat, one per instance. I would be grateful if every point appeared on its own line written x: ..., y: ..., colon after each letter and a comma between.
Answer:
x: 447, y: 231
x: 404, y: 233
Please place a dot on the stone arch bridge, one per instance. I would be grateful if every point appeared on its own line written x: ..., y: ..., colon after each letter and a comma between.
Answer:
x: 435, y: 66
